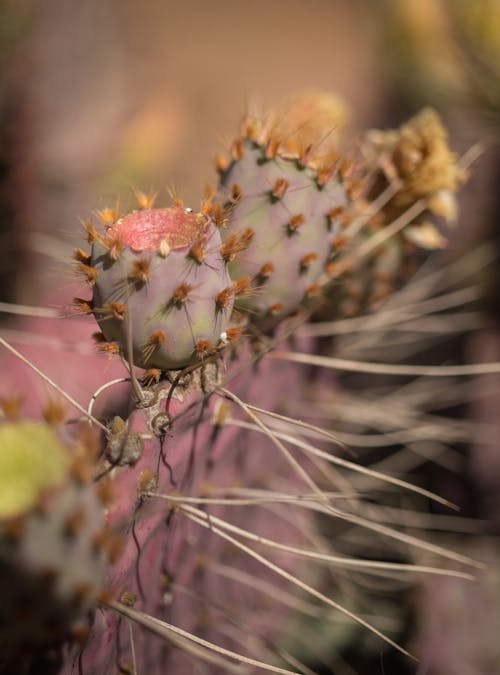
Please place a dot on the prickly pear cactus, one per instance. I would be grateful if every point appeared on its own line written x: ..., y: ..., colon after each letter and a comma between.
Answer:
x: 210, y: 481
x: 52, y: 543
x: 159, y: 281
x: 284, y: 222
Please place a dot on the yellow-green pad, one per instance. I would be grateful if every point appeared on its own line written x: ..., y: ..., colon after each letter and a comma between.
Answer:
x: 32, y: 459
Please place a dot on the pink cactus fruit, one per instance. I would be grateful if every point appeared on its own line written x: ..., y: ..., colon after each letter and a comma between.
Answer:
x: 159, y: 280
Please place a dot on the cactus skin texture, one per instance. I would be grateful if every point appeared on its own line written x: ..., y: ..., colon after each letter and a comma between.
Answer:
x: 288, y: 214
x: 158, y: 276
x: 52, y: 537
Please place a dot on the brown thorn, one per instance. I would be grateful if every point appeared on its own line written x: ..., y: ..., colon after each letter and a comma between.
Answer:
x: 145, y: 200
x: 108, y: 215
x: 114, y: 245
x: 241, y: 286
x: 139, y: 271
x: 250, y: 128
x: 117, y: 309
x: 334, y: 215
x: 271, y: 148
x: 81, y: 256
x: 157, y: 338
x: 90, y: 273
x: 221, y: 163
x: 313, y: 291
x: 203, y: 348
x: 294, y: 223
x: 151, y: 376
x: 180, y: 295
x: 280, y: 186
x: 306, y: 261
x: 233, y: 333
x: 223, y: 298
x: 237, y: 150
x: 197, y: 251
x: 236, y: 243
x: 275, y: 309
x: 82, y: 306
x: 236, y: 193
x: 219, y: 216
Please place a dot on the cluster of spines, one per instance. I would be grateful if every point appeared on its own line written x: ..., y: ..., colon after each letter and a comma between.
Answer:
x: 194, y: 287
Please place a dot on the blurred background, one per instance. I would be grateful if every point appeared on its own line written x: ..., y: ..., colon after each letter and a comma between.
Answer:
x: 97, y: 97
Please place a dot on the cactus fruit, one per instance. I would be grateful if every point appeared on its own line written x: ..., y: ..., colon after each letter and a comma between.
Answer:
x: 285, y: 217
x: 52, y: 541
x: 159, y: 281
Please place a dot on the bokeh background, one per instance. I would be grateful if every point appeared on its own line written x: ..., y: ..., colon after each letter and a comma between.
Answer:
x: 99, y: 96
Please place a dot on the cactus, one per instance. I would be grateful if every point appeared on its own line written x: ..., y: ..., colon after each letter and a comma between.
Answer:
x: 284, y: 221
x: 214, y: 482
x: 158, y: 277
x: 52, y: 540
